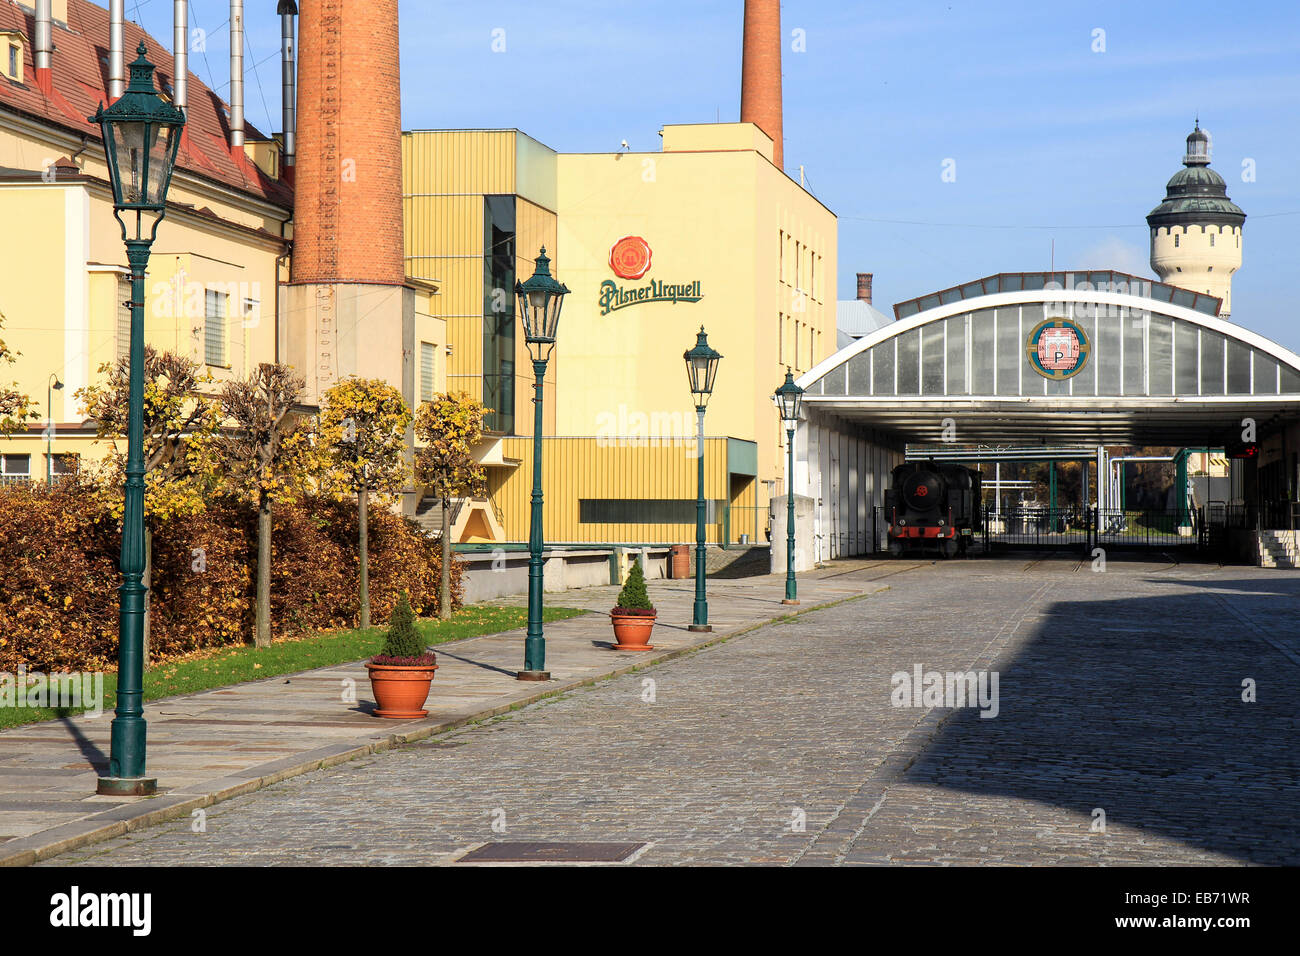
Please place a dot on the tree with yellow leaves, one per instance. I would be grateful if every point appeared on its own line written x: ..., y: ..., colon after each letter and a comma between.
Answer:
x: 362, y: 438
x: 266, y: 457
x: 450, y: 426
x: 16, y: 409
x: 180, y: 425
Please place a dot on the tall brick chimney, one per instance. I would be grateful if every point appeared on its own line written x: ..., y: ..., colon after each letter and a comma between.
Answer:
x: 760, y: 83
x: 346, y: 308
x: 864, y: 287
x: 348, y: 177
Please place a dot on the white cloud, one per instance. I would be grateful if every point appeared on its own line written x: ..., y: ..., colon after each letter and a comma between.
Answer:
x: 1115, y: 253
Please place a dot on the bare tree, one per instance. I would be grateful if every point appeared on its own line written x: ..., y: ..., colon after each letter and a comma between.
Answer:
x: 266, y: 453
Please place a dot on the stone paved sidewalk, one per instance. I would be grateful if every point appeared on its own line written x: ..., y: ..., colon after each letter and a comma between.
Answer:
x: 208, y: 747
x: 1118, y: 691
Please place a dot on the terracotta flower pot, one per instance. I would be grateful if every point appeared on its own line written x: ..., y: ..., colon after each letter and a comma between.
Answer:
x: 632, y: 631
x: 401, y: 690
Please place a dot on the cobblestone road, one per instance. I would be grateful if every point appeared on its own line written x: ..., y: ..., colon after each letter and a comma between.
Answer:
x: 1118, y: 692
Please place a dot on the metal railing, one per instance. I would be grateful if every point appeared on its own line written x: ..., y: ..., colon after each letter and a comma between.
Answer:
x: 736, y: 520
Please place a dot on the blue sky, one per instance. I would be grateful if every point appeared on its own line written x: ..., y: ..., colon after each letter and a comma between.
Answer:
x: 1051, y: 139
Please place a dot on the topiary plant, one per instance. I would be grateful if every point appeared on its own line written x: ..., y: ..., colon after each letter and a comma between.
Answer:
x: 633, y: 599
x: 403, y: 644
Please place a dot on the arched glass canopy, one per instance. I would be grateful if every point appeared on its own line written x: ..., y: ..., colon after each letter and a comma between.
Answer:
x: 1077, y: 358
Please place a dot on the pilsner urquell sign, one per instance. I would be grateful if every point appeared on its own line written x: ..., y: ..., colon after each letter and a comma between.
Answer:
x: 629, y: 258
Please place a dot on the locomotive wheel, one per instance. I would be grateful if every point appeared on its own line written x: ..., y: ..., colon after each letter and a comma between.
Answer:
x: 895, y: 548
x: 950, y: 548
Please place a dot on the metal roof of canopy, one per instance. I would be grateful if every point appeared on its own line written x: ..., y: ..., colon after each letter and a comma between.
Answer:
x: 1156, y: 373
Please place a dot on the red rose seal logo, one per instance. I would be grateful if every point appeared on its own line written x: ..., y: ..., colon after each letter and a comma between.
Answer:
x: 630, y: 257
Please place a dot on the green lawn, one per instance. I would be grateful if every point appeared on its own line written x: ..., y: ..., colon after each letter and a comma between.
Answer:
x: 240, y: 664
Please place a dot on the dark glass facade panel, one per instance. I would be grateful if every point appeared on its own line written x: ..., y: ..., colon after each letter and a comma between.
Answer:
x: 1160, y: 372
x: 1290, y: 380
x: 1010, y: 356
x: 1134, y: 353
x: 932, y: 359
x: 1106, y: 353
x: 1187, y: 376
x: 909, y: 362
x: 1238, y: 368
x: 834, y: 380
x: 1265, y: 374
x: 882, y: 368
x: 860, y: 373
x: 1211, y: 362
x: 499, y: 313
x: 956, y: 355
x: 982, y: 351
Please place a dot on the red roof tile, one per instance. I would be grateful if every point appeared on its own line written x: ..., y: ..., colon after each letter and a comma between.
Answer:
x: 79, y: 71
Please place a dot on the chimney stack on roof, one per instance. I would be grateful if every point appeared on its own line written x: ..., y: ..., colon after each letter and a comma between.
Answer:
x: 116, y: 64
x: 236, y: 74
x: 180, y: 53
x: 44, y: 44
x: 288, y: 9
x: 760, y: 84
x: 864, y: 287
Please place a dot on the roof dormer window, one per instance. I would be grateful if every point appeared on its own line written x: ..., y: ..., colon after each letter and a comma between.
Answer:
x: 11, y: 51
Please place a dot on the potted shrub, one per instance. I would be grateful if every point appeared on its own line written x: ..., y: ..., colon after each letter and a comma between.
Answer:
x: 634, y: 617
x: 400, y: 674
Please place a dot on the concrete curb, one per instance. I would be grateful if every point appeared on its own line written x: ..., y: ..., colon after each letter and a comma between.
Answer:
x: 173, y: 805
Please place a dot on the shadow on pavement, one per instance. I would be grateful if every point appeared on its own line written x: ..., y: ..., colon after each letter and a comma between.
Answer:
x: 1135, y: 706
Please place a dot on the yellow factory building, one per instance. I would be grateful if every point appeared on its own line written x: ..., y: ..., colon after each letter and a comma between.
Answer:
x: 706, y: 232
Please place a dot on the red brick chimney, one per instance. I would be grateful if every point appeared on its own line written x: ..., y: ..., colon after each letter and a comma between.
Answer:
x: 760, y: 83
x: 348, y: 177
x: 864, y: 287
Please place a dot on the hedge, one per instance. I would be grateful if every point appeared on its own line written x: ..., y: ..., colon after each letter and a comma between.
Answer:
x: 59, y: 576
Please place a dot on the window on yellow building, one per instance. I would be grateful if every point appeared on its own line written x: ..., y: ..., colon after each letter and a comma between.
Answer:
x: 15, y: 469
x: 780, y: 256
x: 14, y: 54
x: 66, y: 463
x: 427, y: 370
x: 214, y: 328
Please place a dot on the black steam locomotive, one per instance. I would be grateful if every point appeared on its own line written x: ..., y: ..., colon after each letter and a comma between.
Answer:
x: 933, y: 503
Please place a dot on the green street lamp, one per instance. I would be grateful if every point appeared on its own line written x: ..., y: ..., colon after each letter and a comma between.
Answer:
x: 788, y: 399
x: 141, y: 133
x: 54, y: 385
x: 540, y: 299
x: 701, y: 369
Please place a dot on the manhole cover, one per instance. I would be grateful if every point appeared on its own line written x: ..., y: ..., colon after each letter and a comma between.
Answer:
x: 551, y: 853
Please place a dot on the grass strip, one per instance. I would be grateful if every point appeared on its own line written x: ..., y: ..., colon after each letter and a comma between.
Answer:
x: 226, y: 667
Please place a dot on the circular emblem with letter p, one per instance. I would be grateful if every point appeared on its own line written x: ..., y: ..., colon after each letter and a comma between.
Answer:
x: 1057, y: 349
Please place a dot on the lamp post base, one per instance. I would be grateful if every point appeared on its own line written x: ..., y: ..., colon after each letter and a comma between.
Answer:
x: 533, y: 675
x: 701, y: 628
x: 127, y: 786
x: 788, y: 601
